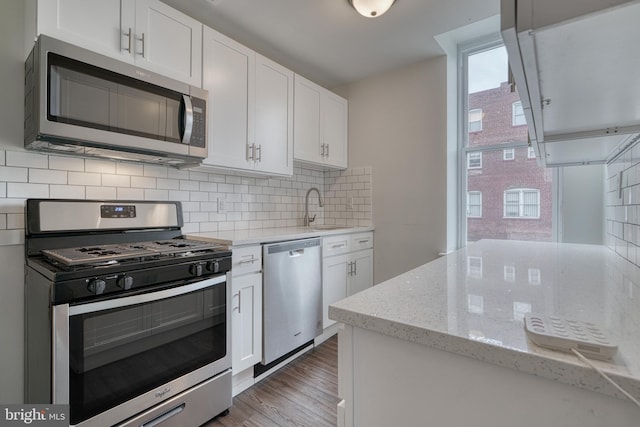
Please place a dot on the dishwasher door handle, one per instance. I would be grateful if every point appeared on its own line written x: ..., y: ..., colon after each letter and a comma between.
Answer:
x: 295, y: 253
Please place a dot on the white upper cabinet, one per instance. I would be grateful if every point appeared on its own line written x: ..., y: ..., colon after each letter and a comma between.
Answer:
x: 575, y: 67
x: 320, y: 125
x: 250, y: 108
x: 145, y: 32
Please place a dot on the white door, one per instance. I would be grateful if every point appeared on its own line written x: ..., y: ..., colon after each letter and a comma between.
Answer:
x: 168, y: 42
x: 334, y: 284
x: 361, y: 271
x: 246, y: 321
x: 334, y: 129
x: 306, y: 126
x: 94, y: 25
x: 228, y: 76
x: 273, y: 117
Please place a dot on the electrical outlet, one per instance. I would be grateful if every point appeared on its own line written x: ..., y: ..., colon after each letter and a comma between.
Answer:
x: 221, y: 205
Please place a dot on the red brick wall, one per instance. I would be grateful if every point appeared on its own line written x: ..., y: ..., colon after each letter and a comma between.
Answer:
x: 498, y: 175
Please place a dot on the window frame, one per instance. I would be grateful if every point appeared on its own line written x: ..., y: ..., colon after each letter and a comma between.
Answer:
x: 515, y: 115
x: 521, y: 205
x: 469, y: 154
x: 464, y: 50
x: 475, y: 110
x: 508, y: 150
x: 479, y: 194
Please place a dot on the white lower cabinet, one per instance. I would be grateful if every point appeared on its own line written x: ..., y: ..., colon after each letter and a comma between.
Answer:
x: 246, y: 314
x: 347, y: 268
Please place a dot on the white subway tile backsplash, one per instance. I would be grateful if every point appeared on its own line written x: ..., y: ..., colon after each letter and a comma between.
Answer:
x: 101, y: 193
x: 47, y: 176
x: 143, y: 182
x: 67, y: 191
x: 66, y: 163
x: 11, y: 237
x: 155, y: 171
x: 123, y: 193
x: 27, y: 159
x: 116, y: 180
x: 100, y: 166
x: 13, y: 174
x: 25, y: 191
x: 250, y: 202
x: 131, y: 169
x: 150, y: 194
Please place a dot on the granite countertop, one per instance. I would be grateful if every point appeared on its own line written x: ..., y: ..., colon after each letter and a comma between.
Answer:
x: 471, y: 302
x: 270, y: 235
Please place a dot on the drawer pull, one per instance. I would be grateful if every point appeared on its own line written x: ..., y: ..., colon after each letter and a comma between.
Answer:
x: 339, y: 245
x: 363, y: 241
x: 248, y: 261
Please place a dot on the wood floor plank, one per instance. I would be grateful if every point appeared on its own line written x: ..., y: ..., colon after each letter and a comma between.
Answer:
x: 303, y: 393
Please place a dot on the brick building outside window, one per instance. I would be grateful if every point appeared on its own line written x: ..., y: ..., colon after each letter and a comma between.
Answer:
x: 509, y: 195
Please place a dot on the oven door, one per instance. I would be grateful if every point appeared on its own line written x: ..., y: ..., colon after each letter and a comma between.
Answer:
x: 117, y: 357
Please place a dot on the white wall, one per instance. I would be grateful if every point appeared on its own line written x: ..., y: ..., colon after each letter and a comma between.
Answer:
x: 582, y: 204
x: 397, y: 125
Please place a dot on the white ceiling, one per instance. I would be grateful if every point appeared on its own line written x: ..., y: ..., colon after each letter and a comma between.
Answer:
x: 328, y: 42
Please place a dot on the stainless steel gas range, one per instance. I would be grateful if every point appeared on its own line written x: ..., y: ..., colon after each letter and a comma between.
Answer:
x: 125, y: 320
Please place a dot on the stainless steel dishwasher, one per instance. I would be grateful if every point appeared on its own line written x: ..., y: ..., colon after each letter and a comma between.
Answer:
x: 292, y: 296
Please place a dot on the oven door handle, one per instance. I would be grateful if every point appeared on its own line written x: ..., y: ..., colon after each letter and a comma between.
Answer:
x: 92, y: 307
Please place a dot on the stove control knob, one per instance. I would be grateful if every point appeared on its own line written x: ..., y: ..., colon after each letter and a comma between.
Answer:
x: 96, y: 286
x: 125, y: 282
x: 213, y: 266
x: 196, y: 269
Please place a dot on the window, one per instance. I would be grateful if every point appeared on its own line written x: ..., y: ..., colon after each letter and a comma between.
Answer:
x: 491, y: 191
x: 475, y: 120
x: 509, y: 273
x: 517, y: 114
x: 534, y: 276
x: 508, y: 154
x: 474, y: 204
x: 522, y: 203
x: 474, y: 267
x: 531, y: 153
x: 474, y: 160
x: 475, y: 304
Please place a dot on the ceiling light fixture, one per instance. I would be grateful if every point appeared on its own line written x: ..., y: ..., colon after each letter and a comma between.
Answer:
x: 371, y: 8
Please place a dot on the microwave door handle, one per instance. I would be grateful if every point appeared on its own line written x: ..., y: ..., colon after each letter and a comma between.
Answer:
x: 187, y: 119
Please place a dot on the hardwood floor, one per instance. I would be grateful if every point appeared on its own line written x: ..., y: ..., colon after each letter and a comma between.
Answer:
x: 303, y: 393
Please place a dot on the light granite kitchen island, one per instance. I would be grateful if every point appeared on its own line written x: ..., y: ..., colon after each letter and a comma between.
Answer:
x: 444, y: 344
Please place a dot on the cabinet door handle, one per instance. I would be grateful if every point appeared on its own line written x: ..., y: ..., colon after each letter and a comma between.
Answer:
x: 237, y: 308
x: 130, y: 40
x: 142, y: 40
x: 259, y: 151
x: 355, y: 268
x: 322, y: 150
x: 327, y: 150
x: 250, y: 150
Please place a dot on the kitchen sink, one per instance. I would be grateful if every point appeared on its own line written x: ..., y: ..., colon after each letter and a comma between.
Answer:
x: 328, y: 227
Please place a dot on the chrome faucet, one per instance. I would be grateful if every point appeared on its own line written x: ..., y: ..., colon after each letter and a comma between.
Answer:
x: 306, y: 219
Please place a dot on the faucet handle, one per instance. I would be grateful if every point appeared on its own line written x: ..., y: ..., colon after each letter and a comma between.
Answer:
x: 312, y: 219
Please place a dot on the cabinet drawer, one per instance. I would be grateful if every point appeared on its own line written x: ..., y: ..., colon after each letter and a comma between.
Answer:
x: 361, y: 241
x: 335, y: 245
x: 246, y: 259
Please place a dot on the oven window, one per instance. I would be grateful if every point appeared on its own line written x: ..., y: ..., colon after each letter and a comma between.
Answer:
x: 118, y: 354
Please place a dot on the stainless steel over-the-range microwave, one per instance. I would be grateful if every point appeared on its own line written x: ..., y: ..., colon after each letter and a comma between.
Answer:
x: 81, y: 102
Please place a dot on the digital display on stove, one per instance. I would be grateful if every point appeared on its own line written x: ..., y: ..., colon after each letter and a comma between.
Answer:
x: 117, y: 211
